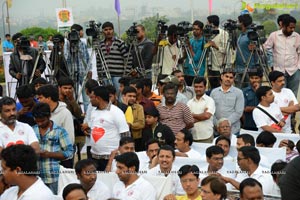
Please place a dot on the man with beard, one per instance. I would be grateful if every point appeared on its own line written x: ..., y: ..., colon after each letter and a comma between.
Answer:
x: 12, y: 131
x: 285, y: 45
x: 145, y: 48
x: 229, y: 101
x: 174, y: 114
x: 131, y: 186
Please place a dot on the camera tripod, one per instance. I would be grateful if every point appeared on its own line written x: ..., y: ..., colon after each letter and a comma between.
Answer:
x: 134, y: 48
x: 58, y: 65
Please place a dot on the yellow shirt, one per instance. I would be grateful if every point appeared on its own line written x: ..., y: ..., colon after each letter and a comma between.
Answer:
x: 129, y: 115
x: 186, y: 198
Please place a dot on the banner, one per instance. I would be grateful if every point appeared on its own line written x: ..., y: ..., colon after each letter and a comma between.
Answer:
x: 64, y: 17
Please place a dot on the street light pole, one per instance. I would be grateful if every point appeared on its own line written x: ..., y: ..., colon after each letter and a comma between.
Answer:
x: 3, y: 17
x: 7, y: 19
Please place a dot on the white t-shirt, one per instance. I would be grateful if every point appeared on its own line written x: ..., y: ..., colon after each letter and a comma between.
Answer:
x: 99, y: 191
x: 177, y: 188
x: 204, y: 129
x: 36, y: 191
x: 282, y: 99
x: 106, y: 127
x: 138, y: 190
x: 261, y: 119
x: 262, y: 175
x: 192, y: 154
x: 22, y: 134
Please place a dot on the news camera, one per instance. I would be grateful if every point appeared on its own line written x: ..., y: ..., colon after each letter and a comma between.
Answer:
x: 24, y: 44
x: 93, y: 29
x: 183, y: 28
x: 209, y: 31
x: 231, y: 25
x: 132, y: 31
x: 256, y: 33
x: 162, y: 27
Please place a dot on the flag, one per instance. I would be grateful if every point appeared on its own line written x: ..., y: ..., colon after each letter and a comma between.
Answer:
x: 210, y: 6
x: 117, y: 7
x: 9, y: 3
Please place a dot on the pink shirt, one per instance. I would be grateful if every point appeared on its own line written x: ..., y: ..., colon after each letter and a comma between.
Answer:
x: 286, y: 51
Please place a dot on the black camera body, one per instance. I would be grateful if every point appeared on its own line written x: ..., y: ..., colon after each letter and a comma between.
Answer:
x: 183, y: 28
x: 24, y: 44
x: 162, y: 27
x: 209, y: 31
x: 254, y: 34
x: 74, y: 36
x: 231, y: 25
x: 132, y: 31
x: 93, y: 29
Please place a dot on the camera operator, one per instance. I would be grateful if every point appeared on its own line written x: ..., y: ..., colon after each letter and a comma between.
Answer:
x: 57, y: 59
x: 115, y: 54
x: 23, y: 59
x: 245, y: 46
x: 170, y: 54
x: 196, y: 46
x: 145, y: 47
x: 78, y: 65
x: 218, y: 44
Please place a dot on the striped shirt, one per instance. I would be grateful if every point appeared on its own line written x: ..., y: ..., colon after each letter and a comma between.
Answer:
x: 176, y: 117
x: 56, y: 139
x: 115, y: 57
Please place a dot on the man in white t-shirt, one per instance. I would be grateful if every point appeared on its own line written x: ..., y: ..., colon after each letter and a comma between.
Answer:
x: 19, y: 168
x: 12, y: 131
x: 284, y: 97
x: 262, y: 120
x: 108, y: 126
x: 131, y: 186
x: 183, y: 143
x: 87, y: 175
x: 165, y: 158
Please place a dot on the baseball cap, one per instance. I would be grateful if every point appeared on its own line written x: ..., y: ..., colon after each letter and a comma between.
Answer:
x: 170, y: 79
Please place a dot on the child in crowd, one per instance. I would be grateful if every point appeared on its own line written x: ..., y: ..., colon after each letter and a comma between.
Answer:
x: 290, y: 152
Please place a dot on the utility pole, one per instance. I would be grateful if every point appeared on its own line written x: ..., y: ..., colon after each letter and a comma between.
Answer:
x: 192, y: 10
x: 3, y: 17
x: 7, y: 18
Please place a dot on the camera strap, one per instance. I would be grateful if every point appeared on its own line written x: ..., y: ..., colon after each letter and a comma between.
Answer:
x: 268, y: 114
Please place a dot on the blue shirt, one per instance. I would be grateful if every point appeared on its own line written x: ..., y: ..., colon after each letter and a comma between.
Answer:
x: 243, y: 42
x: 7, y: 45
x: 197, y: 46
x: 250, y: 100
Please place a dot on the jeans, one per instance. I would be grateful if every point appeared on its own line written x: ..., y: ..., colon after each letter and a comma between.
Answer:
x: 292, y: 82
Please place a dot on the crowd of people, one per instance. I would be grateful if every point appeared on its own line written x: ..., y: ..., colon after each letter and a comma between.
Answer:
x: 194, y: 102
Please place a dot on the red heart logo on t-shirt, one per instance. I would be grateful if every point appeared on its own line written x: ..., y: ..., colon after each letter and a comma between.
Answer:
x: 97, y: 133
x: 15, y: 143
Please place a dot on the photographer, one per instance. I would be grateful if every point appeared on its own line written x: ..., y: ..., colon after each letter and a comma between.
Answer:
x: 145, y: 47
x: 218, y: 44
x: 23, y: 59
x: 245, y: 46
x: 170, y: 53
x: 77, y: 57
x: 57, y: 59
x: 115, y: 55
x: 196, y: 46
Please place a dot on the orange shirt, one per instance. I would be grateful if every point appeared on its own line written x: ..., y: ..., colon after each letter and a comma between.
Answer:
x: 156, y: 99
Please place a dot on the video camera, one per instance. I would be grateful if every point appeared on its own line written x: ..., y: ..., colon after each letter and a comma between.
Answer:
x: 183, y: 28
x: 132, y: 31
x: 209, y: 31
x: 93, y: 29
x: 24, y: 44
x: 231, y: 25
x: 162, y: 27
x: 256, y: 33
x: 74, y: 36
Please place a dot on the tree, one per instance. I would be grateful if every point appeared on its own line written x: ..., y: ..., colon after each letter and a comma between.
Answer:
x: 36, y: 31
x: 150, y: 24
x: 269, y: 26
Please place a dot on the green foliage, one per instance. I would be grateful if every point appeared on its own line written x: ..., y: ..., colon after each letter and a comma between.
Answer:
x: 297, y: 29
x: 36, y: 31
x: 270, y: 26
x: 150, y: 24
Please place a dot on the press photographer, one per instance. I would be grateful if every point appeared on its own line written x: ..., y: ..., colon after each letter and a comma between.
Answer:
x: 217, y: 39
x: 58, y: 63
x: 141, y: 50
x: 24, y: 59
x: 196, y: 46
x: 78, y: 61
